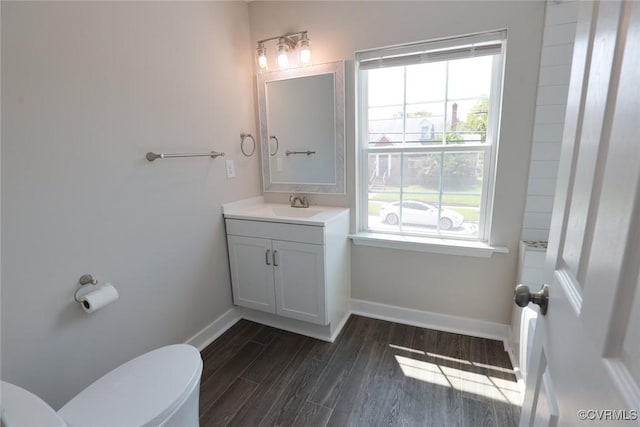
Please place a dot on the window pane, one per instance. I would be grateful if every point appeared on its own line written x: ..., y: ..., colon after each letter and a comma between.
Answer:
x: 467, y: 121
x: 462, y: 192
x: 421, y: 179
x: 387, y: 130
x: 425, y: 123
x: 386, y: 112
x: 384, y: 189
x: 470, y: 78
x: 426, y: 82
x: 386, y: 86
x: 421, y: 185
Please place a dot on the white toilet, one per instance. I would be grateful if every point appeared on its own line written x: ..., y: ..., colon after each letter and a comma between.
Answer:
x: 159, y: 388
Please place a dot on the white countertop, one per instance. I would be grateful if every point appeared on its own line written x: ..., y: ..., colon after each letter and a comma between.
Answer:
x: 256, y: 209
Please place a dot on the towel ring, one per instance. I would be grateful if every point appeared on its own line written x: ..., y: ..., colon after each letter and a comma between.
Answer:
x: 244, y: 136
x: 277, y: 145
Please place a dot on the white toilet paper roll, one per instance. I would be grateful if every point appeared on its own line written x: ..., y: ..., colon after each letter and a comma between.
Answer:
x: 99, y: 298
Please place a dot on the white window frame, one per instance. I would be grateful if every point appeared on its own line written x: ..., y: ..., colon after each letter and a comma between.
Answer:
x: 491, y: 43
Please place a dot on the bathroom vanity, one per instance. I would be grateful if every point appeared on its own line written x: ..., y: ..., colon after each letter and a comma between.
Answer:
x: 290, y: 267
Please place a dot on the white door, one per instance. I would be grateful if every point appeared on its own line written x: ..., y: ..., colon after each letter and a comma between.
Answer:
x: 250, y: 259
x: 586, y: 355
x: 299, y: 280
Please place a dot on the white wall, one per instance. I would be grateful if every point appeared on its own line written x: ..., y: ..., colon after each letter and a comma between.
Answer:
x: 551, y: 103
x: 87, y: 89
x: 453, y: 285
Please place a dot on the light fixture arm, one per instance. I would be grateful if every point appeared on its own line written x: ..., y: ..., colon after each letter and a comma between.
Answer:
x: 291, y: 39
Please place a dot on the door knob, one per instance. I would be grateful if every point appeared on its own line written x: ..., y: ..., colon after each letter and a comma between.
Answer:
x: 523, y: 297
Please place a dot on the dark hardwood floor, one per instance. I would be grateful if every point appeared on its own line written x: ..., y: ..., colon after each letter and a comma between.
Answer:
x: 375, y: 373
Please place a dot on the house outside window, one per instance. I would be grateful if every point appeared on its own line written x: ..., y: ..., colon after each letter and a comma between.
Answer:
x: 428, y: 118
x: 426, y: 131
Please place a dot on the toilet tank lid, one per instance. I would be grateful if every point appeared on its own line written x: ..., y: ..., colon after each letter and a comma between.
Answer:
x: 142, y: 392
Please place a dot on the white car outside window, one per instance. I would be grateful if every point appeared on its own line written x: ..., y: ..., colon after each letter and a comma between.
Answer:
x: 419, y: 213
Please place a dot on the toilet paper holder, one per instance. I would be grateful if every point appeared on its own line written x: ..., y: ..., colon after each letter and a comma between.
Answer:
x: 85, y: 279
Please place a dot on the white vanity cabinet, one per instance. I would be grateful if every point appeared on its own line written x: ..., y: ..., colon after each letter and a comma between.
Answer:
x: 298, y: 270
x: 279, y: 276
x: 252, y: 272
x: 300, y: 287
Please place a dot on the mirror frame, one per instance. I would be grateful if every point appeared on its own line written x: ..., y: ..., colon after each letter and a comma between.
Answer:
x: 337, y: 70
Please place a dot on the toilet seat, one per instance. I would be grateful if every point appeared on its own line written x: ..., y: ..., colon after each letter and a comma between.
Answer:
x: 20, y: 408
x: 142, y: 392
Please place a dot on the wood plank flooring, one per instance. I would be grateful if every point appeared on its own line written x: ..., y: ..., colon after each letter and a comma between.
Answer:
x: 376, y: 373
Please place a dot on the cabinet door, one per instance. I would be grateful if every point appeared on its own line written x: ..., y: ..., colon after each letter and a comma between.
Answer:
x: 252, y: 272
x: 299, y: 281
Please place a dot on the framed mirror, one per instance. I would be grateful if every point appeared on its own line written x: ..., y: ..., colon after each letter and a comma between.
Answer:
x: 302, y: 129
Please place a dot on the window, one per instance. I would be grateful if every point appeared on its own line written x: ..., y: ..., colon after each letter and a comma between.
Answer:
x: 428, y: 117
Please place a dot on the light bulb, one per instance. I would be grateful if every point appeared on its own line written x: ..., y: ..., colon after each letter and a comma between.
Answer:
x: 305, y: 56
x: 262, y: 56
x: 305, y: 50
x: 262, y: 61
x: 283, y: 58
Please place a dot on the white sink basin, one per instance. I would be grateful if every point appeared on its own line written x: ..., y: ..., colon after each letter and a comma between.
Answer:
x: 256, y: 209
x: 294, y: 212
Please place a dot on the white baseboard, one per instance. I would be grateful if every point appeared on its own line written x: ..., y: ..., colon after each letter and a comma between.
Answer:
x: 514, y: 362
x: 340, y: 327
x: 216, y: 328
x: 229, y: 318
x: 426, y: 319
x: 408, y: 316
x: 324, y: 333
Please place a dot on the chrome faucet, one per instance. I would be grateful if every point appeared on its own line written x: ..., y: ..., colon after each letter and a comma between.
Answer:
x: 299, y: 201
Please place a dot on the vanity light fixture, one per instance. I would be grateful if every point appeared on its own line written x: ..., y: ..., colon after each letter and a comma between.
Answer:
x: 286, y: 44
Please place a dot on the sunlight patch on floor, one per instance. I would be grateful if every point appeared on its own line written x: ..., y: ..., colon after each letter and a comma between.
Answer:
x: 469, y: 382
x: 452, y: 359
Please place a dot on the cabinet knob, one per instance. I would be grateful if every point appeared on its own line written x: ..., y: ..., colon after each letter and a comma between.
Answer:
x: 266, y: 256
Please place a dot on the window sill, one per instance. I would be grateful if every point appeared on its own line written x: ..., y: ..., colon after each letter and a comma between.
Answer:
x: 427, y: 244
